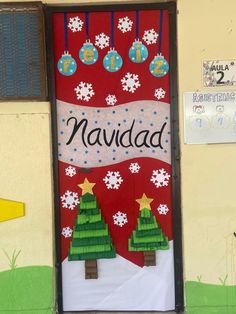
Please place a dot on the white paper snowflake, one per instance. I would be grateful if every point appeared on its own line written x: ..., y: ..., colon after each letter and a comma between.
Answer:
x: 160, y: 178
x: 70, y: 171
x: 113, y: 180
x: 120, y: 219
x: 150, y: 36
x: 130, y: 82
x: 102, y: 40
x: 163, y: 209
x: 75, y: 24
x: 159, y: 93
x: 134, y: 167
x: 125, y: 24
x: 67, y: 232
x: 84, y: 91
x: 69, y: 200
x: 111, y: 100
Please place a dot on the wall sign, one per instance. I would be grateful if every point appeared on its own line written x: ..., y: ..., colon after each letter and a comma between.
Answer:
x: 209, y: 117
x: 219, y: 73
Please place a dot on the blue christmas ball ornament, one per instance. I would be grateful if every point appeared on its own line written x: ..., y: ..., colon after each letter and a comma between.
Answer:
x: 159, y: 66
x: 138, y: 53
x: 88, y: 54
x: 112, y: 61
x: 66, y: 65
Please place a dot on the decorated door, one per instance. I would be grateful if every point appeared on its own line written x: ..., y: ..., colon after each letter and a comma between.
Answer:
x: 113, y: 105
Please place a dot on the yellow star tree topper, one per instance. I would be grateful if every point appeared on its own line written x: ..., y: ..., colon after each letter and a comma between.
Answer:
x: 144, y: 202
x: 87, y: 187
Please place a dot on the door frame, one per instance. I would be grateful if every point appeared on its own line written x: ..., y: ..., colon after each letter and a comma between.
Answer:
x: 49, y: 10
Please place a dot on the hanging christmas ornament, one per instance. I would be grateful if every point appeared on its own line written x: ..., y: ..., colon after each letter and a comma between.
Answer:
x: 138, y: 53
x: 112, y: 61
x: 88, y: 54
x: 159, y: 67
x: 66, y: 64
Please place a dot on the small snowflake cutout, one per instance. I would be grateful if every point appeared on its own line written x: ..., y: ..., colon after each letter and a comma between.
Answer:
x: 125, y: 24
x: 134, y: 167
x: 162, y: 209
x: 75, y: 24
x: 102, y: 41
x: 111, y: 100
x: 160, y: 178
x: 130, y: 82
x: 113, y: 180
x: 150, y: 36
x: 67, y: 232
x: 159, y: 93
x: 70, y: 171
x: 84, y: 91
x: 70, y: 200
x: 120, y: 219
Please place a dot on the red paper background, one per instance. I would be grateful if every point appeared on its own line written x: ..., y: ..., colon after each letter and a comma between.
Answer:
x: 104, y: 83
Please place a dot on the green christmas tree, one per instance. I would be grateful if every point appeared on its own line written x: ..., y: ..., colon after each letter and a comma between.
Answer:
x: 90, y: 239
x: 148, y: 236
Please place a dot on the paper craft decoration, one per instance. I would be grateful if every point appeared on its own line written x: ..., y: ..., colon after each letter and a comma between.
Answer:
x: 88, y: 54
x: 148, y: 236
x: 11, y: 210
x: 66, y: 64
x: 114, y: 131
x: 138, y: 53
x: 90, y: 239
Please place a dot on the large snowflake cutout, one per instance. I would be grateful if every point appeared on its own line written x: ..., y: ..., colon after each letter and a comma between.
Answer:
x: 160, y: 178
x: 150, y: 36
x: 70, y: 171
x: 130, y: 82
x: 67, y: 232
x: 75, y: 24
x: 84, y: 91
x: 159, y: 93
x: 134, y: 167
x: 102, y: 40
x: 113, y: 180
x: 163, y: 209
x: 125, y: 24
x: 120, y: 219
x: 111, y: 100
x: 69, y: 200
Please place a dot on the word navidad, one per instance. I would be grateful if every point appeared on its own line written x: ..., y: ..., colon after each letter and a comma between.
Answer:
x: 114, y: 137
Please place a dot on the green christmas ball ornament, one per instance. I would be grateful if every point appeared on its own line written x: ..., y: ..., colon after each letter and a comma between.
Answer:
x: 88, y: 54
x: 66, y: 64
x: 112, y: 61
x: 159, y: 67
x: 138, y: 53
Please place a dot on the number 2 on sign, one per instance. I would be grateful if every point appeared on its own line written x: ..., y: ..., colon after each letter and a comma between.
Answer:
x: 219, y: 81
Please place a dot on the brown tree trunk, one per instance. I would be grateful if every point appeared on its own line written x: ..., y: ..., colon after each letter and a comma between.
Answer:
x: 149, y: 258
x: 91, y: 271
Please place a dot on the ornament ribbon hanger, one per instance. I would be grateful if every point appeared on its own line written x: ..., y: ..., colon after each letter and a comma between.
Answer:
x: 159, y: 67
x: 66, y: 64
x: 138, y: 53
x: 88, y: 54
x: 112, y: 61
